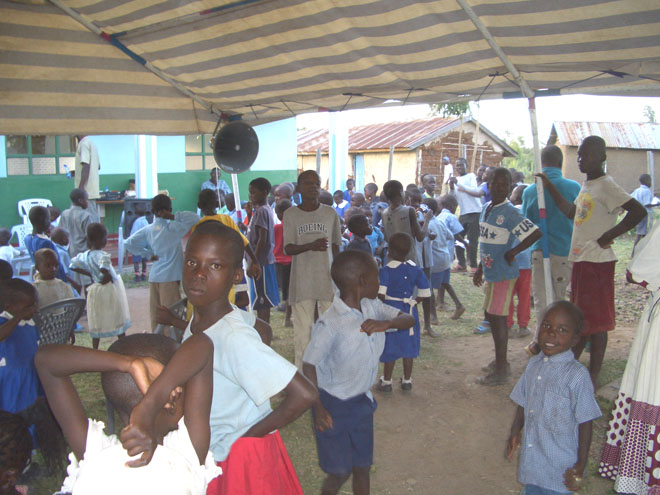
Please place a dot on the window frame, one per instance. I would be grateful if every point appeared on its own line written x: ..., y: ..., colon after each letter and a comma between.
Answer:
x: 206, y: 153
x: 29, y: 155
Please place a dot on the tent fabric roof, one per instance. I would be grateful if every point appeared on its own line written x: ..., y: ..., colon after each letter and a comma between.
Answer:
x: 631, y: 135
x: 402, y: 135
x: 90, y: 66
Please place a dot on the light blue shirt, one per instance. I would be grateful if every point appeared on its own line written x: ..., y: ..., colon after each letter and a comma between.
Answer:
x: 246, y: 374
x: 163, y: 239
x: 345, y: 358
x: 375, y: 238
x: 140, y: 223
x: 442, y: 247
x: 557, y: 395
x: 560, y: 227
x: 221, y: 186
x: 451, y: 221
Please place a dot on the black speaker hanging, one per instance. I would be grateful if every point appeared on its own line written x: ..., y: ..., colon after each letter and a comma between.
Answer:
x: 235, y: 147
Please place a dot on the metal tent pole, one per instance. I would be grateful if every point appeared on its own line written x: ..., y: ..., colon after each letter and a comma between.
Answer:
x: 529, y: 94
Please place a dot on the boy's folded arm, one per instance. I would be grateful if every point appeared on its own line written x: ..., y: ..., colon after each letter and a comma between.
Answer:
x: 190, y: 359
x: 55, y: 364
x: 300, y: 395
x: 527, y: 242
x: 636, y: 213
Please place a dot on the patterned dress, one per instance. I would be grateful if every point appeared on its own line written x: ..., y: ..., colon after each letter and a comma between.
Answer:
x: 631, y: 454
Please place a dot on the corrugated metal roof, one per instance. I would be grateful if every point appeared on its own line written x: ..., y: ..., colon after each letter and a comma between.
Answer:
x: 632, y: 135
x: 376, y: 136
x: 402, y: 135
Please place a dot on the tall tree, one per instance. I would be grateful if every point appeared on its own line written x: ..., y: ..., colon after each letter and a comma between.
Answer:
x: 524, y: 162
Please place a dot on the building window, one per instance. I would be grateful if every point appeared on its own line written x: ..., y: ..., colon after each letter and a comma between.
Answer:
x: 40, y: 155
x: 199, y: 154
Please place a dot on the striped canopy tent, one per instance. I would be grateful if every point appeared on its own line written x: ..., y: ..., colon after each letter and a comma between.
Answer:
x: 177, y: 66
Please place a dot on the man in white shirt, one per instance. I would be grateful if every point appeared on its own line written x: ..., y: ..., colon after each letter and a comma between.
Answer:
x: 468, y: 194
x: 87, y: 173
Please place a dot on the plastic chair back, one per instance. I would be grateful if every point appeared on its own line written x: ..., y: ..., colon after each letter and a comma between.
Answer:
x: 25, y: 205
x: 179, y: 309
x: 20, y: 231
x: 56, y: 321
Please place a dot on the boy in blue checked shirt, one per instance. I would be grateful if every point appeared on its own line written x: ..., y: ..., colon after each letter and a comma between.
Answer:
x: 556, y: 405
x: 500, y: 225
x: 342, y: 361
x: 160, y: 242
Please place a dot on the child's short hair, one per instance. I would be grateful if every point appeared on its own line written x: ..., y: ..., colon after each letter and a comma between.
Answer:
x: 262, y: 184
x: 432, y: 204
x: 161, y: 202
x: 233, y: 240
x: 573, y: 311
x: 15, y: 442
x: 349, y: 212
x: 308, y: 172
x: 551, y: 155
x: 5, y: 235
x: 350, y: 181
x: 448, y: 201
x: 6, y: 271
x: 359, y: 197
x: 348, y: 266
x: 392, y: 189
x: 282, y: 205
x: 41, y: 254
x: 356, y: 221
x: 400, y: 243
x: 39, y: 217
x: 59, y: 235
x: 53, y: 212
x: 207, y: 200
x: 120, y: 388
x: 76, y: 195
x: 371, y: 188
x: 95, y: 232
x: 230, y: 201
x: 497, y: 172
x: 325, y: 198
x: 645, y: 179
x: 14, y: 288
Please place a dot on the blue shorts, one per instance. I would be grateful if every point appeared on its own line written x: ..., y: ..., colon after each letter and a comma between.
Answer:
x: 264, y: 292
x: 537, y: 490
x: 439, y: 278
x: 350, y: 442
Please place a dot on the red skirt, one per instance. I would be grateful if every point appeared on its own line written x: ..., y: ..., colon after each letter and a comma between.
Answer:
x: 256, y: 466
x: 592, y: 290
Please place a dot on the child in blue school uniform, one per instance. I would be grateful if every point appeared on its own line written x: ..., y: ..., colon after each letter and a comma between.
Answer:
x: 38, y: 239
x: 161, y: 243
x: 342, y: 361
x: 402, y: 285
x: 556, y: 406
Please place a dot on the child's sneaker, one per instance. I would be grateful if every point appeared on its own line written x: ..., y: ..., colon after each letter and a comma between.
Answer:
x: 384, y: 385
x: 484, y: 327
x: 406, y: 384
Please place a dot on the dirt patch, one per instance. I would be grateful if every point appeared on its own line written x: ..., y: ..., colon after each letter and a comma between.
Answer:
x: 448, y: 434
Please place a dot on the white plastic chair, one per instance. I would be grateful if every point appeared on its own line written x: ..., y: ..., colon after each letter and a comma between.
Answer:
x: 20, y: 231
x: 25, y: 205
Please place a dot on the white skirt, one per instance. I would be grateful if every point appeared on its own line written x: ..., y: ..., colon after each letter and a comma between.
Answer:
x: 107, y: 309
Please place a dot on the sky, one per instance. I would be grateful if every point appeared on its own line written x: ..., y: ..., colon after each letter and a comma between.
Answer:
x: 509, y: 119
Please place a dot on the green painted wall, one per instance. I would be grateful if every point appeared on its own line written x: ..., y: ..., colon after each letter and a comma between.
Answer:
x: 183, y: 187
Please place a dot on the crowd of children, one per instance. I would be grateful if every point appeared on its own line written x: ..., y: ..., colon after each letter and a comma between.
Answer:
x: 351, y: 274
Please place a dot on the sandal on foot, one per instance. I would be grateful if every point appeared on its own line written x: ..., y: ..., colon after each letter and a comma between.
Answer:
x: 481, y: 329
x: 406, y: 385
x: 492, y: 380
x: 458, y: 313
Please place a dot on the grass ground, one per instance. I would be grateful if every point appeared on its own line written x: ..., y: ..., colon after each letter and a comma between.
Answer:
x: 299, y: 437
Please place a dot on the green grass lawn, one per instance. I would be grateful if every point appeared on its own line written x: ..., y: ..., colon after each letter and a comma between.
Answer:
x: 299, y: 437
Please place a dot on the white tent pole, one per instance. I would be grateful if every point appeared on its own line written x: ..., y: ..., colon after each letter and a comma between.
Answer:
x: 527, y: 91
x: 237, y: 197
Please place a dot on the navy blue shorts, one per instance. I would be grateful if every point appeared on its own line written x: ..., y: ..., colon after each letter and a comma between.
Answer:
x: 264, y: 292
x: 439, y: 278
x: 350, y: 442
